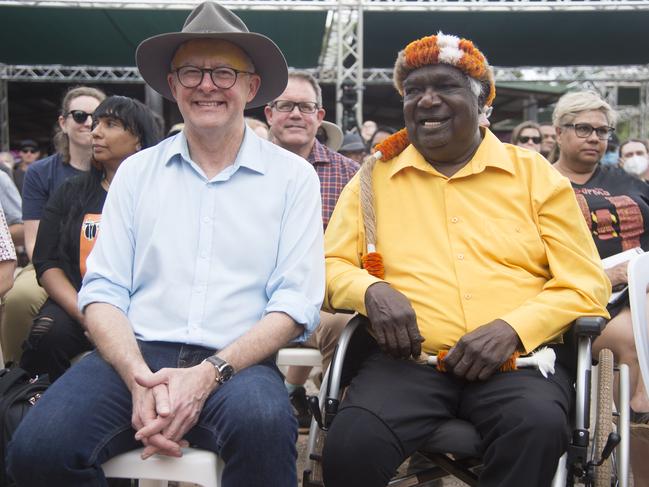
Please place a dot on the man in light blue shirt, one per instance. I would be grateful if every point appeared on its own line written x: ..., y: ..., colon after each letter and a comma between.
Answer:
x: 209, y: 259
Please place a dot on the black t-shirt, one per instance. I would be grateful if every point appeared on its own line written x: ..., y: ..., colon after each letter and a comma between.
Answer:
x: 616, y: 208
x: 52, y: 249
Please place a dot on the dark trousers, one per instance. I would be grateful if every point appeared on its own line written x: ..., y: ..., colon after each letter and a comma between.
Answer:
x: 393, y: 406
x: 54, y: 339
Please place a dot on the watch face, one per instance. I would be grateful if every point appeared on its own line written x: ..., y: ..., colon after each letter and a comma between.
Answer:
x: 226, y: 373
x: 224, y: 370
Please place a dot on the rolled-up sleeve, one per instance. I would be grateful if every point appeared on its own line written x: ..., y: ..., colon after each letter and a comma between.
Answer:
x: 109, y: 274
x: 296, y: 286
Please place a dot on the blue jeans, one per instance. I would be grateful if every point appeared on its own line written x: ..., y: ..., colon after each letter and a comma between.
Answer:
x: 84, y: 419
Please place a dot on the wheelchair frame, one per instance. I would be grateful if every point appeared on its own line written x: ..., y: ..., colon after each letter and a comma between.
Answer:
x: 579, y: 464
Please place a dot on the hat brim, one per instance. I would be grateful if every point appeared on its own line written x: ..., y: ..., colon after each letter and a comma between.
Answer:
x: 334, y: 135
x: 353, y: 147
x: 154, y: 55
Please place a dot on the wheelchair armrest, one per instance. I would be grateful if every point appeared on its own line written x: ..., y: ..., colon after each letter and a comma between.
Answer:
x: 589, y: 326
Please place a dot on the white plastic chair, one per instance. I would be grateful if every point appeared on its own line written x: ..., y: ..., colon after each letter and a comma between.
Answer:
x: 638, y: 275
x: 197, y: 466
x: 309, y: 357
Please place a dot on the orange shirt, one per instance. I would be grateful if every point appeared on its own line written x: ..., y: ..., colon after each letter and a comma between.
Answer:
x: 87, y: 238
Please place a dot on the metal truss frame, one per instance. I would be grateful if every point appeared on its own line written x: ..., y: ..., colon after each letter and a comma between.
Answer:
x: 342, y: 57
x: 373, y: 5
x: 329, y: 75
x: 349, y: 58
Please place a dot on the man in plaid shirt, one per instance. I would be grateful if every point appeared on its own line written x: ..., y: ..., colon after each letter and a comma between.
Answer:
x: 294, y: 119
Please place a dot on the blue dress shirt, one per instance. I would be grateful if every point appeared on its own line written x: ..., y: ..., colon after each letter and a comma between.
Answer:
x: 198, y: 261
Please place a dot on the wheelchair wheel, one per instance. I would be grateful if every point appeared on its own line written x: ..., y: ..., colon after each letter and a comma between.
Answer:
x: 604, y: 419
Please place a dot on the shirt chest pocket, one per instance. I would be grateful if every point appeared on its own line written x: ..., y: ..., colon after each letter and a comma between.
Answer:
x: 512, y: 241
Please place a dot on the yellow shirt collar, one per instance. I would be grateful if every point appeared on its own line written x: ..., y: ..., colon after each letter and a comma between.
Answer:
x: 490, y: 153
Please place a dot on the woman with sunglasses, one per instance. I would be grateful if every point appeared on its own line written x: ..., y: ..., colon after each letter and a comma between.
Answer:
x: 73, y: 143
x: 527, y: 135
x: 616, y: 209
x: 69, y: 229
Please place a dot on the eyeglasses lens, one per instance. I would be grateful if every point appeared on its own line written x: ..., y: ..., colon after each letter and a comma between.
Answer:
x: 80, y: 116
x: 524, y: 139
x: 584, y: 130
x: 191, y: 77
x: 303, y: 106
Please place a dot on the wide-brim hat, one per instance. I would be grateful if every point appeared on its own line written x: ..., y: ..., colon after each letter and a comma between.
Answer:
x: 212, y: 21
x: 334, y: 135
x: 352, y: 143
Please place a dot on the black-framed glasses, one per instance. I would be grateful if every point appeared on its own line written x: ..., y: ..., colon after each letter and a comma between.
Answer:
x: 288, y: 106
x: 524, y: 139
x: 583, y: 130
x: 223, y: 77
x: 79, y: 116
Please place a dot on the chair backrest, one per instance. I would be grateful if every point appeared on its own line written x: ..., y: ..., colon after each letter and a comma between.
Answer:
x: 638, y: 274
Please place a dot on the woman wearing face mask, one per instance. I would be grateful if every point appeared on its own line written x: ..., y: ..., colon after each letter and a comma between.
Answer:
x: 527, y: 135
x: 68, y: 231
x: 616, y: 209
x: 72, y: 141
x: 634, y: 157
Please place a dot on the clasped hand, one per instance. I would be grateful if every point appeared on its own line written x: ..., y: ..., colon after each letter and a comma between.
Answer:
x: 166, y: 405
x: 478, y: 354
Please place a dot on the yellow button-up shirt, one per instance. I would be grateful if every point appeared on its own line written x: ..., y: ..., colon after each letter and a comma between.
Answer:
x: 501, y: 238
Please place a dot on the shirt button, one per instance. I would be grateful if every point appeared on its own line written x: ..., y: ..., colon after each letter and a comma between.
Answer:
x: 206, y: 219
x: 455, y: 219
x: 203, y: 255
x: 468, y: 296
x: 460, y: 256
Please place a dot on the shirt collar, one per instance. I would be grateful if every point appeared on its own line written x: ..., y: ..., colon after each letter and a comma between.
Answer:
x: 249, y: 156
x: 491, y: 153
x: 319, y: 153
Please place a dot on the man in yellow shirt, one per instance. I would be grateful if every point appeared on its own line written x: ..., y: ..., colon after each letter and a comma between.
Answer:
x: 455, y: 241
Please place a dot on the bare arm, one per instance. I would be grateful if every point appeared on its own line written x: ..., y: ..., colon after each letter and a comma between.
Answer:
x: 30, y: 230
x: 189, y: 388
x: 114, y: 338
x: 61, y: 290
x: 272, y: 332
x: 617, y: 275
x: 113, y: 335
x: 17, y: 231
x: 7, y: 268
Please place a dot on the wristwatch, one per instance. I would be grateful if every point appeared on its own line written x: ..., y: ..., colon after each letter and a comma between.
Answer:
x: 224, y: 371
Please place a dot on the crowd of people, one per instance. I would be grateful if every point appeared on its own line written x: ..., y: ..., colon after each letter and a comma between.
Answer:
x: 172, y: 270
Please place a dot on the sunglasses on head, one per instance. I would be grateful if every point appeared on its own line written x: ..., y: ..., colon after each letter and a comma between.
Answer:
x: 525, y: 139
x: 30, y: 150
x: 79, y: 116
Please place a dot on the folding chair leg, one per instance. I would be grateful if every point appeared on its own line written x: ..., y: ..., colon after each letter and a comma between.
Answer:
x: 152, y: 483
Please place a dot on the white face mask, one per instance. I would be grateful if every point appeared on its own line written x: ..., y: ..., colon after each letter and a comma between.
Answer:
x: 636, y: 165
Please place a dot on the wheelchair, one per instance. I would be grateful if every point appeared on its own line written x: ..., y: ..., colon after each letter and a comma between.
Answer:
x: 597, y: 456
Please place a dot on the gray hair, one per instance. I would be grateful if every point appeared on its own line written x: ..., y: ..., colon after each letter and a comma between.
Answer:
x: 309, y: 78
x: 574, y: 103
